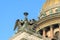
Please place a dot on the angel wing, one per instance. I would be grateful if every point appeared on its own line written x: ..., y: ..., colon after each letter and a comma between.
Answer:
x: 31, y: 22
x: 16, y: 24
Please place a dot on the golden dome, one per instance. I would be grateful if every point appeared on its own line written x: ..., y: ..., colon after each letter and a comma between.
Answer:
x: 49, y: 6
x: 50, y: 3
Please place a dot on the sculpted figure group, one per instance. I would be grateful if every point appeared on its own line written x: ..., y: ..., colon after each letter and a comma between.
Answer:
x: 21, y: 24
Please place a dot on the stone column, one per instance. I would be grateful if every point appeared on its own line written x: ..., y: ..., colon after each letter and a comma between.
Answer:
x: 59, y: 31
x: 59, y: 28
x: 51, y: 31
x: 44, y: 34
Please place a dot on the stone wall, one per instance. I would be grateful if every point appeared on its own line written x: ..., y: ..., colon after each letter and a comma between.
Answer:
x: 25, y: 36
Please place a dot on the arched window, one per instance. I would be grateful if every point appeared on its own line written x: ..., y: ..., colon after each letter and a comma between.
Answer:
x: 50, y: 12
x: 58, y: 9
x: 43, y: 14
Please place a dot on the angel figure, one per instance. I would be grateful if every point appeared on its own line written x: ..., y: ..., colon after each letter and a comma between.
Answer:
x: 18, y: 25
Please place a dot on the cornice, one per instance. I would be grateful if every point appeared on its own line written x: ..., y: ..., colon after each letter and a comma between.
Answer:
x: 55, y: 15
x: 27, y: 31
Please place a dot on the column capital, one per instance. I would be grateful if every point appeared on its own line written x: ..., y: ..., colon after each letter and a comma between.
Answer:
x: 44, y: 33
x: 44, y: 29
x: 59, y: 24
x: 59, y: 27
x: 51, y: 26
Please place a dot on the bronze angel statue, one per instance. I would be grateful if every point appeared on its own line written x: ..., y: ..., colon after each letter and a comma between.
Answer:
x: 18, y: 25
x: 23, y: 25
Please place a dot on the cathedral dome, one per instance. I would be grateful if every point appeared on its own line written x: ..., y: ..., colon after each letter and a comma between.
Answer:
x: 50, y: 7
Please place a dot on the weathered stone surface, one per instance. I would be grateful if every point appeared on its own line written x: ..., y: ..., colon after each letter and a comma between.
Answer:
x: 25, y: 35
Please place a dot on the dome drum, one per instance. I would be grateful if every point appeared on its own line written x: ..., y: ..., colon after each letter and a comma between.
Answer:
x: 50, y: 7
x: 49, y: 12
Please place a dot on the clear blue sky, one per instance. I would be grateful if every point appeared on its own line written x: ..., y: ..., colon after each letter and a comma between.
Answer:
x: 11, y: 10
